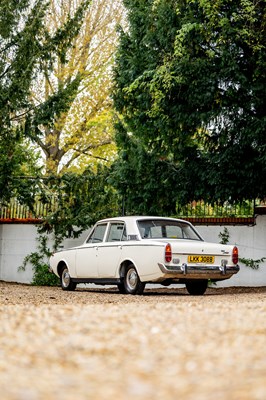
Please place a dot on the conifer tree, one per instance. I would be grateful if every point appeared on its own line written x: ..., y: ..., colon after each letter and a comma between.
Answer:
x: 27, y: 47
x: 190, y: 91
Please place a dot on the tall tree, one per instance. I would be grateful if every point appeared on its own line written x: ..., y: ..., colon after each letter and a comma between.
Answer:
x: 20, y: 31
x: 72, y: 121
x: 26, y: 47
x: 189, y: 84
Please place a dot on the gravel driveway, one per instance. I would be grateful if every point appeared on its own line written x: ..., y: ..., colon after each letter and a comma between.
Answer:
x: 98, y: 344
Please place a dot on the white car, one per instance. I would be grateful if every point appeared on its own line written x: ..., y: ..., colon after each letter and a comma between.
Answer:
x: 132, y: 251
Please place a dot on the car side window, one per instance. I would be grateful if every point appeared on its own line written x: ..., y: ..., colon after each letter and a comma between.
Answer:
x: 98, y: 234
x: 124, y: 235
x: 117, y: 232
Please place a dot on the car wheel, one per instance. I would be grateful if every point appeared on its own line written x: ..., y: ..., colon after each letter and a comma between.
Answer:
x: 197, y: 287
x: 132, y: 283
x: 66, y: 281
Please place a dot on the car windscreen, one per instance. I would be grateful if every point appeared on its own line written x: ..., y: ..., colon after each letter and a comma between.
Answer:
x: 166, y: 229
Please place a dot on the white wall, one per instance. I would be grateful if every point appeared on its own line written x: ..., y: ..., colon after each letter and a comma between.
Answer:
x: 18, y: 240
x: 251, y: 243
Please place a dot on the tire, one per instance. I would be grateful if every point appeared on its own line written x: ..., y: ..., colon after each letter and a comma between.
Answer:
x: 197, y: 287
x: 131, y: 282
x: 66, y: 281
x: 121, y: 288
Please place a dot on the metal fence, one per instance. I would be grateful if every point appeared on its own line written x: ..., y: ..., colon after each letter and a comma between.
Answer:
x: 196, y: 209
x: 202, y: 209
x: 15, y: 210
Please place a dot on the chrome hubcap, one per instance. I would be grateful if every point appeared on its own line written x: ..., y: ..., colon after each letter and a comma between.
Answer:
x: 132, y: 278
x: 65, y: 278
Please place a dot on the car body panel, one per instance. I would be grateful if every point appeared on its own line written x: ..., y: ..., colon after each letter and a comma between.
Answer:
x: 86, y: 260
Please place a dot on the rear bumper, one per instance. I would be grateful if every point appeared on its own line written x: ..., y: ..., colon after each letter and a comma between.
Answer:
x: 198, y: 272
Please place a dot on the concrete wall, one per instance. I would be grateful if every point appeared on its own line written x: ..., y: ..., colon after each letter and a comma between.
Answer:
x: 251, y: 242
x: 17, y: 241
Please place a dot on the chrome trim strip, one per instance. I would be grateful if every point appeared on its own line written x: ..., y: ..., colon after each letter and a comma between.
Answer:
x: 184, y: 269
x: 98, y: 281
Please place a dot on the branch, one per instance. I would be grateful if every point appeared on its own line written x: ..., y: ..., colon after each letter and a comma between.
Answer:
x: 17, y: 117
x: 94, y: 146
x: 78, y: 152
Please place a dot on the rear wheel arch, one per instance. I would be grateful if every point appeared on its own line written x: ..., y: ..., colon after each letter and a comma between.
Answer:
x: 130, y: 281
x: 123, y: 268
x: 122, y: 273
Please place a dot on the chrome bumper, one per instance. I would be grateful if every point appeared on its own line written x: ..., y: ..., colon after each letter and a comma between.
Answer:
x: 194, y: 272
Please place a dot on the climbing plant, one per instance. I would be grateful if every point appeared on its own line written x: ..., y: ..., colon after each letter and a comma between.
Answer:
x: 79, y: 201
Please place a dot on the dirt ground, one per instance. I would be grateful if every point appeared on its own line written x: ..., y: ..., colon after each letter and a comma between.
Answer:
x: 99, y: 344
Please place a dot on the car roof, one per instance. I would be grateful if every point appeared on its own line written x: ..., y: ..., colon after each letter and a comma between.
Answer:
x: 139, y: 217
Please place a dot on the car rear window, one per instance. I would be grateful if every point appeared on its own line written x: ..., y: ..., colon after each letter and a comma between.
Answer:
x: 166, y: 229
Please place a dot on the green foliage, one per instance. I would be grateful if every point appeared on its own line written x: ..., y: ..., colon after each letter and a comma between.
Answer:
x: 248, y: 262
x: 20, y: 31
x: 81, y: 200
x: 224, y: 236
x: 254, y: 264
x: 49, y: 111
x: 39, y: 261
x: 61, y: 40
x: 55, y: 47
x: 189, y: 85
x: 28, y: 47
x: 138, y: 176
x: 16, y: 159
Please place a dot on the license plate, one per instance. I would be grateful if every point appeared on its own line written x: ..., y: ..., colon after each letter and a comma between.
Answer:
x: 201, y: 259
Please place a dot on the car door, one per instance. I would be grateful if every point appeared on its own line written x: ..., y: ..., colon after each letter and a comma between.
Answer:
x: 109, y: 252
x: 86, y: 257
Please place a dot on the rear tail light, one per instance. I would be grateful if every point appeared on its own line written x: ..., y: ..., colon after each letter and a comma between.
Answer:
x: 168, y: 253
x: 235, y: 255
